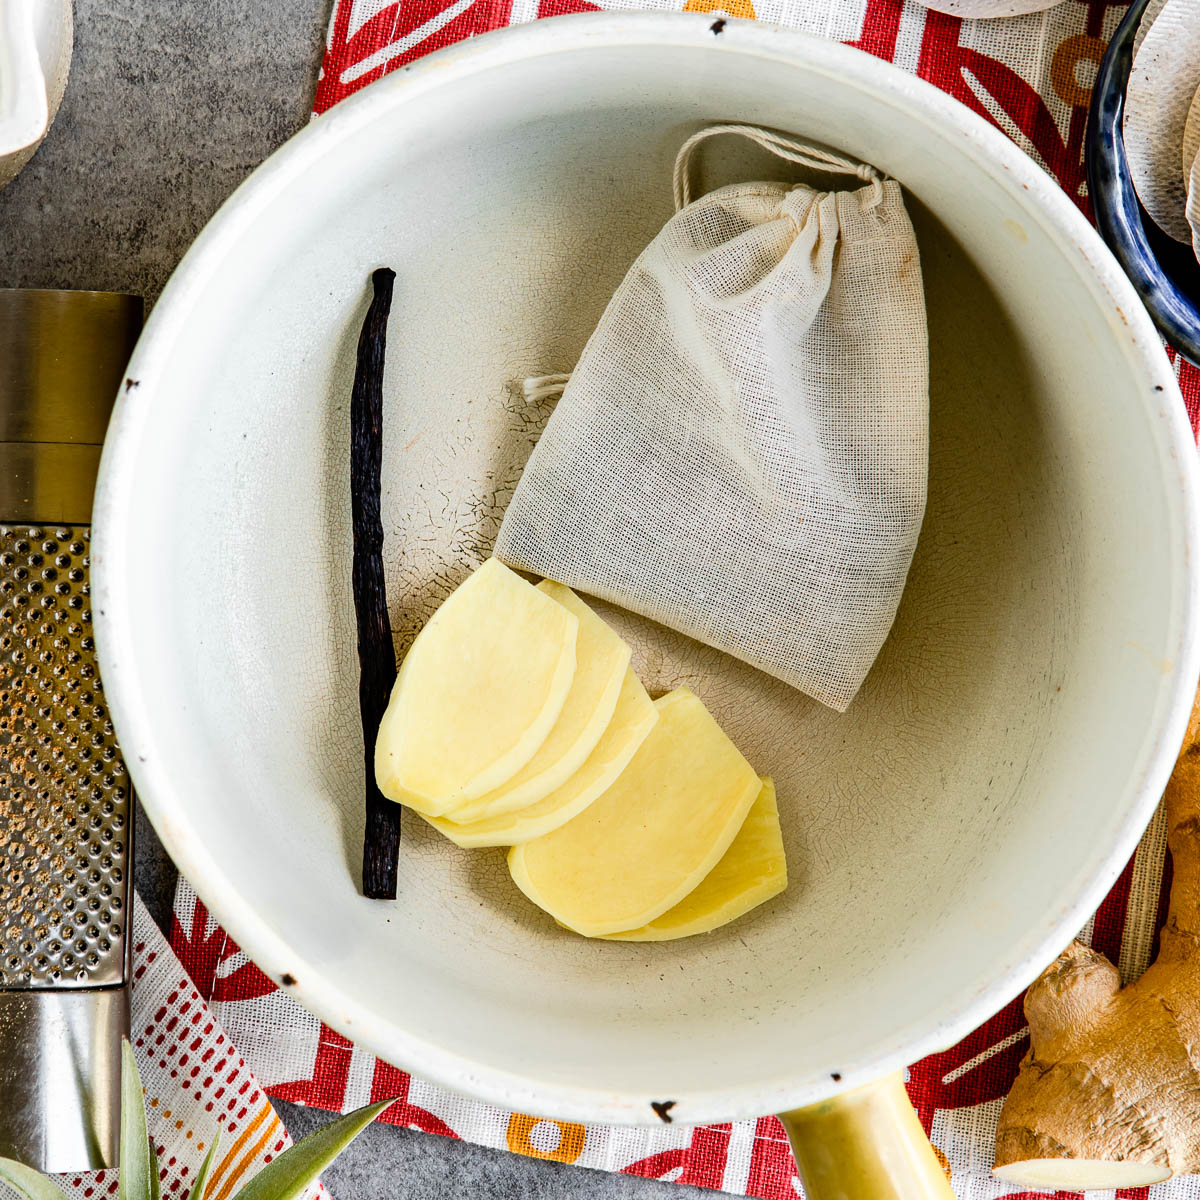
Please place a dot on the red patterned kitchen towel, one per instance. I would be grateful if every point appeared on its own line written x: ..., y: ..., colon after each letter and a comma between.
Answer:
x: 1030, y: 76
x: 196, y: 1084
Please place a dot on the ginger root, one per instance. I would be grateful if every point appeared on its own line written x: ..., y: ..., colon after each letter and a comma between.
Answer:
x: 1109, y: 1094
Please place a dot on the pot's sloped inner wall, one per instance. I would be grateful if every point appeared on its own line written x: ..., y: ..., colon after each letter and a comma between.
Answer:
x: 936, y: 832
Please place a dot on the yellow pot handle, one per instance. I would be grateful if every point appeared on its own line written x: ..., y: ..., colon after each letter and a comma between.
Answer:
x: 866, y: 1144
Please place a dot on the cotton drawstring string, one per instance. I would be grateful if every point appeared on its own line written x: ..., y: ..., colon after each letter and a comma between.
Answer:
x: 540, y: 388
x: 781, y: 147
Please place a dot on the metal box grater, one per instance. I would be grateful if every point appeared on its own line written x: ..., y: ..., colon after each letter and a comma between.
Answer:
x: 66, y: 809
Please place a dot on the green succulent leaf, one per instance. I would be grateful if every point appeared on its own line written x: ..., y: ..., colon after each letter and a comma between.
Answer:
x: 155, y: 1185
x: 27, y: 1183
x: 197, y: 1192
x: 287, y: 1176
x: 138, y: 1164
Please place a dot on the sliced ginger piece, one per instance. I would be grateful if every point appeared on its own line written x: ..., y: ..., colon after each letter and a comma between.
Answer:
x: 632, y: 720
x: 478, y: 692
x: 1108, y: 1095
x: 1078, y: 1175
x: 750, y: 872
x: 653, y: 836
x: 601, y: 660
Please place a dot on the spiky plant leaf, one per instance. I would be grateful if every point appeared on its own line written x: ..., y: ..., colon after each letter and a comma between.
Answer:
x: 137, y: 1158
x: 27, y: 1183
x: 197, y: 1192
x: 297, y: 1167
x: 155, y: 1184
x: 286, y: 1178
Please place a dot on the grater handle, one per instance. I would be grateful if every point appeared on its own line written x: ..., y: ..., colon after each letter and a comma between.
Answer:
x: 60, y: 1077
x: 66, y: 807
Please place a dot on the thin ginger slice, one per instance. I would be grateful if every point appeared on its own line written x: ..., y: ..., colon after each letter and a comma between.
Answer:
x: 477, y: 694
x: 751, y: 871
x: 653, y: 836
x: 632, y: 720
x: 601, y: 660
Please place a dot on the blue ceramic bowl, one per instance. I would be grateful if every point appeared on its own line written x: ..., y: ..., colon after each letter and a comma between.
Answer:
x: 1164, y: 271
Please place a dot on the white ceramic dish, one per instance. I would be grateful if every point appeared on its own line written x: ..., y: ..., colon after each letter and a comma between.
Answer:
x: 946, y: 837
x: 35, y: 56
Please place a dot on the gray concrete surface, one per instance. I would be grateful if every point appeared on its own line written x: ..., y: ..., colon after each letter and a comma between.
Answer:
x: 170, y: 104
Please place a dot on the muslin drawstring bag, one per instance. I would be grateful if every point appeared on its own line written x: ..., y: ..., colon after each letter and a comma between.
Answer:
x: 741, y: 451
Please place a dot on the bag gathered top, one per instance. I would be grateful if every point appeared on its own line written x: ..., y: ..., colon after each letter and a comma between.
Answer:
x: 741, y: 452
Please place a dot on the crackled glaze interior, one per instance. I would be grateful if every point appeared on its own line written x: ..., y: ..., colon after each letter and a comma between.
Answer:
x: 944, y: 836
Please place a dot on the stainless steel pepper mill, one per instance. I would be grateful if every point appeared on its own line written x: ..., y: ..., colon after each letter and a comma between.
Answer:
x: 66, y: 808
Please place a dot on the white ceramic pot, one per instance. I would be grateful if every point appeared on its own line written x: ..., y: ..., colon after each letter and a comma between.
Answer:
x: 946, y: 837
x: 35, y: 56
